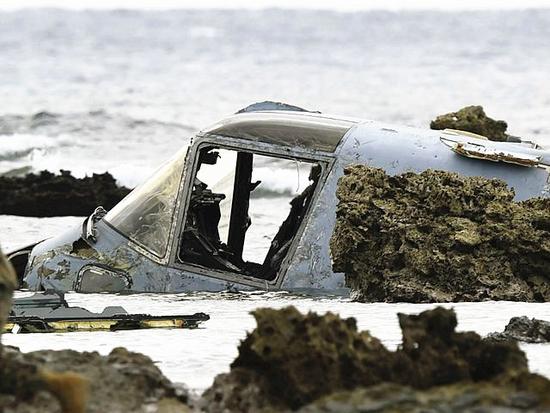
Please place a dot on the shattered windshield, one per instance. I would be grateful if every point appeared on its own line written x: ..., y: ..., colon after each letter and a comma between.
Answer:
x: 146, y: 214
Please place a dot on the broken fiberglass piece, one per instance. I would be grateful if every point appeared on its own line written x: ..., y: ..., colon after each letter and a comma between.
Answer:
x: 49, y: 312
x: 481, y: 151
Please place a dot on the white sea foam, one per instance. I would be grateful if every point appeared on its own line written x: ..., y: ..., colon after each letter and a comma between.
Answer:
x: 22, y: 150
x: 17, y: 146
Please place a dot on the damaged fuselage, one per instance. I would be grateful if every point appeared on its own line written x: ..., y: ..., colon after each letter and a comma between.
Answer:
x: 189, y: 227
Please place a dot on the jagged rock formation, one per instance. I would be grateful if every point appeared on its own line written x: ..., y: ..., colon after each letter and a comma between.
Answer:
x: 319, y: 363
x: 473, y: 119
x: 439, y: 237
x: 47, y: 194
x: 524, y: 329
x: 291, y: 359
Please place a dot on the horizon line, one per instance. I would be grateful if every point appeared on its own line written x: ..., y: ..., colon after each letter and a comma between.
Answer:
x: 318, y: 5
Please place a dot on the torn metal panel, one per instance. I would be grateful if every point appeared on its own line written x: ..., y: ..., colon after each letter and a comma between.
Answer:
x: 476, y: 147
x: 480, y: 152
x: 284, y: 128
x: 49, y: 312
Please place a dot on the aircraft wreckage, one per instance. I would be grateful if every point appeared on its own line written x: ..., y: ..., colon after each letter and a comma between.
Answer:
x: 48, y: 312
x: 185, y: 229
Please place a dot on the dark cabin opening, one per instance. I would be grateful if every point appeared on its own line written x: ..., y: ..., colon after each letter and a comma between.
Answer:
x: 245, y: 210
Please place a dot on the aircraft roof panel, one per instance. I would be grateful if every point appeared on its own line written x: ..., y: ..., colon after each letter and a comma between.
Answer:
x: 285, y: 128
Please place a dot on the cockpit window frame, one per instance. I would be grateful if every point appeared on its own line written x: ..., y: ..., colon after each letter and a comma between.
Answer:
x: 324, y: 159
x: 145, y: 250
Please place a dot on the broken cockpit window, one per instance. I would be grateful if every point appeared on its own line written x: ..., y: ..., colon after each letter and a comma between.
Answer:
x: 146, y: 214
x: 245, y: 210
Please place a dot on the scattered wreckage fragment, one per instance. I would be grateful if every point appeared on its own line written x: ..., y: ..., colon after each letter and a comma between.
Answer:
x: 49, y: 312
x: 188, y: 227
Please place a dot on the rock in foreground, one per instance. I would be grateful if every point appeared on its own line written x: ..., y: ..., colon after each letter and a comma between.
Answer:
x: 323, y: 364
x: 71, y: 382
x: 119, y: 382
x: 439, y: 237
x: 506, y: 396
x: 473, y: 119
x: 524, y: 329
x: 47, y: 194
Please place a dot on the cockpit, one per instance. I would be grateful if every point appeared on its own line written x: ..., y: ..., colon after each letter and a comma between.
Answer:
x: 231, y: 190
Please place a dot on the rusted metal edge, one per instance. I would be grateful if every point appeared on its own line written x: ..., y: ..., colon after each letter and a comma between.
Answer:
x: 478, y: 151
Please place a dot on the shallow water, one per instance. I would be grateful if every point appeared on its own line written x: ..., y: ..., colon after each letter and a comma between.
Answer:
x: 194, y: 357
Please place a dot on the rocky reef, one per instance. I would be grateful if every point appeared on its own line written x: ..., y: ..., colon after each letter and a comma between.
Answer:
x: 47, y: 194
x: 439, y: 237
x: 524, y: 329
x: 473, y: 119
x: 313, y: 363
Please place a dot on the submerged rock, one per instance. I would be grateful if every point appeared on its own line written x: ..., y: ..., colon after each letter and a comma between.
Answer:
x: 439, y: 237
x: 524, y: 329
x: 318, y: 363
x: 473, y: 119
x: 47, y: 194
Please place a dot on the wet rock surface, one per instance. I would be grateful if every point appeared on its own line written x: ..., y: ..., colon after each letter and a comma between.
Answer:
x: 323, y: 364
x: 291, y: 359
x: 47, y: 194
x: 473, y: 119
x: 524, y: 329
x: 439, y: 237
x: 504, y: 396
x: 119, y: 382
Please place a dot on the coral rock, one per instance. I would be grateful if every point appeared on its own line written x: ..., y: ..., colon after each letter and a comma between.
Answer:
x: 318, y: 363
x: 46, y: 194
x: 524, y: 329
x: 439, y: 237
x: 473, y: 119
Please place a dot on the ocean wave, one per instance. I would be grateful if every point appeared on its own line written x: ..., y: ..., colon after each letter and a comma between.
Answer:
x: 92, y: 123
x: 18, y: 150
x: 88, y: 142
